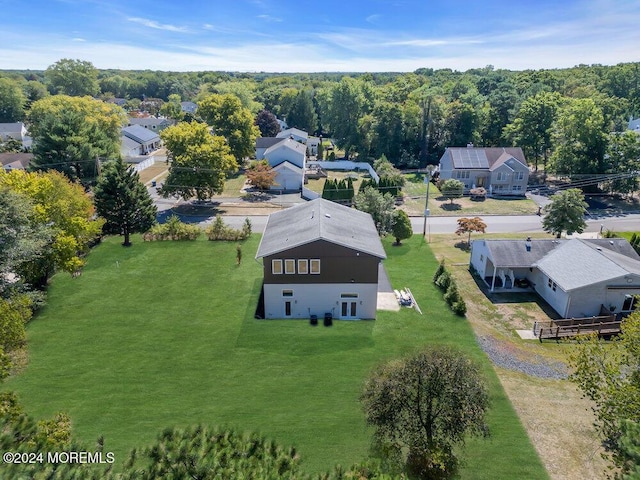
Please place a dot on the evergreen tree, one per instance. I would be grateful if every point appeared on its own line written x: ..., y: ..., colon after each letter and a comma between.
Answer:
x: 123, y: 201
x: 401, y: 226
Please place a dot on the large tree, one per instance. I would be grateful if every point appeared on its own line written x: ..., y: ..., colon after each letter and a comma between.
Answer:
x: 72, y: 77
x: 232, y: 121
x: 608, y: 373
x: 70, y: 134
x: 302, y: 114
x: 66, y: 210
x: 267, y: 123
x: 580, y: 139
x: 348, y: 101
x: 423, y: 406
x: 200, y: 161
x: 379, y: 206
x: 532, y: 127
x: 123, y: 201
x: 623, y: 154
x: 23, y: 238
x: 12, y: 101
x: 565, y: 213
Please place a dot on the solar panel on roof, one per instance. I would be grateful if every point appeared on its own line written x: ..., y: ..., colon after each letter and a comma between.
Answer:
x: 469, y: 158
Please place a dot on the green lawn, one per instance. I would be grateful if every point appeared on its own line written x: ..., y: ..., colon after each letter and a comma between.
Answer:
x: 415, y: 189
x: 163, y: 334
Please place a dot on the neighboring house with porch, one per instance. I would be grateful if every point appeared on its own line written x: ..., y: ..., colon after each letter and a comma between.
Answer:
x: 500, y: 170
x: 288, y: 159
x: 576, y: 277
x: 320, y: 257
x: 137, y: 141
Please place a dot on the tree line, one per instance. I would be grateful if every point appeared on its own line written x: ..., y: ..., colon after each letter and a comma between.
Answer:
x: 569, y: 121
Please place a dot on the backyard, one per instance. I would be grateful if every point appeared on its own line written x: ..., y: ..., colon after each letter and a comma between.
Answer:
x: 163, y: 334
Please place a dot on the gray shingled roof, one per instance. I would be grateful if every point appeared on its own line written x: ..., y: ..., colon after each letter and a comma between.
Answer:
x: 140, y: 134
x: 288, y: 143
x: 320, y: 220
x: 292, y: 131
x: 577, y: 263
x: 266, y: 142
x: 488, y: 156
x: 513, y: 253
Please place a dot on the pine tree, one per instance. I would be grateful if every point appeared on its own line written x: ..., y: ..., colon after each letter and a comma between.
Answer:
x: 123, y: 201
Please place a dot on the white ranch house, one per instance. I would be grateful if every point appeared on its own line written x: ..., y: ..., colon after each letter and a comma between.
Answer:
x: 576, y: 277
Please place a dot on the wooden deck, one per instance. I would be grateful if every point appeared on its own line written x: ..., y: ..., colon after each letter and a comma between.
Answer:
x: 604, y: 325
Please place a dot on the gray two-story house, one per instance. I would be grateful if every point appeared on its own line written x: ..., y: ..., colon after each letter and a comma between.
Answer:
x: 320, y: 257
x: 500, y: 170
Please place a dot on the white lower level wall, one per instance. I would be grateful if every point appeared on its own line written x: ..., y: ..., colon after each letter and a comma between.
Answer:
x: 318, y: 299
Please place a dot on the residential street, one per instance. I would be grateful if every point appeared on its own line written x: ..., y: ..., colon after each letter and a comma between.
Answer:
x: 495, y: 224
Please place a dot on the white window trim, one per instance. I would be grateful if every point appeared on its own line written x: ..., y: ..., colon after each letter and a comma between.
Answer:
x: 289, y: 262
x: 315, y: 261
x: 304, y: 262
x: 274, y: 262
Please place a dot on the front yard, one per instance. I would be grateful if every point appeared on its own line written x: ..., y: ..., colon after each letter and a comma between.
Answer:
x: 162, y: 334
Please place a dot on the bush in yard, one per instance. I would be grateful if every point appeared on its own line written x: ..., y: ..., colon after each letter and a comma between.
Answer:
x: 444, y: 280
x: 220, y: 231
x: 173, y: 229
x: 459, y: 308
x: 441, y: 268
x: 452, y: 295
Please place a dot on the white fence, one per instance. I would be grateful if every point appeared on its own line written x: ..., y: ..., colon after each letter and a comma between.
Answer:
x: 346, y: 165
x: 138, y: 167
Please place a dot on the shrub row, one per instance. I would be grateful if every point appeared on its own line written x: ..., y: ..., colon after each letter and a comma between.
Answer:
x: 220, y: 231
x: 445, y: 281
x: 173, y: 229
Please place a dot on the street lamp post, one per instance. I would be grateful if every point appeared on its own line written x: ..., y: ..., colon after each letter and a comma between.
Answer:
x: 427, y: 180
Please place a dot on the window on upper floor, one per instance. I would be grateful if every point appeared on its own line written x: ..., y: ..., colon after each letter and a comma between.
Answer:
x: 303, y: 266
x: 290, y: 266
x: 314, y: 266
x: 276, y: 267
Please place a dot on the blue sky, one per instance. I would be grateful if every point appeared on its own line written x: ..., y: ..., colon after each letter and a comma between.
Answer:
x: 328, y: 35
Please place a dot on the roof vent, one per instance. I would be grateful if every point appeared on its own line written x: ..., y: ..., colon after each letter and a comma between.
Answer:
x: 611, y: 242
x: 599, y: 249
x: 327, y: 215
x: 527, y: 244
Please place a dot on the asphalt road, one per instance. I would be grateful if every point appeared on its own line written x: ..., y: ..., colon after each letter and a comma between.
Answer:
x: 437, y: 224
x: 495, y: 223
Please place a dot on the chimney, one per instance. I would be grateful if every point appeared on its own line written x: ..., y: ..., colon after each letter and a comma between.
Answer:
x: 527, y: 244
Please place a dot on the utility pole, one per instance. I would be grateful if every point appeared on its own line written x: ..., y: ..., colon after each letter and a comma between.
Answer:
x: 427, y: 179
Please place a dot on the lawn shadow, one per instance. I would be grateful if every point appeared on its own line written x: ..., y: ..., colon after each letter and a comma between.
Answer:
x: 255, y: 196
x: 463, y: 245
x: 450, y: 207
x: 192, y: 212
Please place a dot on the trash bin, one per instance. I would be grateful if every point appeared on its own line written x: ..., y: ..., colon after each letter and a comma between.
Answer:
x: 328, y: 319
x: 313, y: 320
x: 153, y: 183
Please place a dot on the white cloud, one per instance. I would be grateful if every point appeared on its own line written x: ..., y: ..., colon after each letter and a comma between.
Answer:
x: 160, y: 26
x: 270, y: 18
x: 373, y: 18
